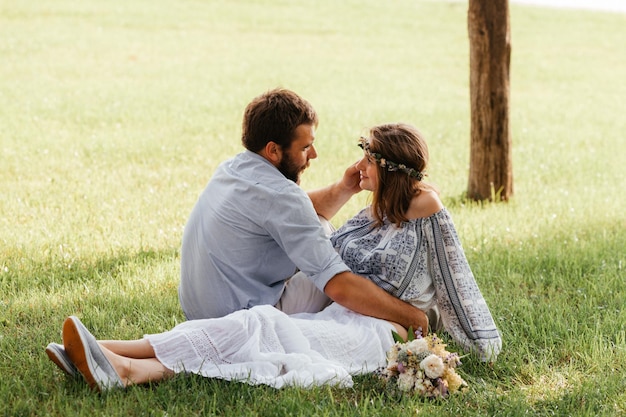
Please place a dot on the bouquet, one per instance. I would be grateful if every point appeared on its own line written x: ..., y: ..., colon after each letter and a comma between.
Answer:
x: 422, y: 365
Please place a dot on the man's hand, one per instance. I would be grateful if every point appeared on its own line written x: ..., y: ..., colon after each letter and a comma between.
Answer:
x: 421, y: 322
x: 328, y: 200
x: 351, y: 179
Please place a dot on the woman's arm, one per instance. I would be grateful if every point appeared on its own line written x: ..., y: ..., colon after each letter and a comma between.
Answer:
x: 464, y: 311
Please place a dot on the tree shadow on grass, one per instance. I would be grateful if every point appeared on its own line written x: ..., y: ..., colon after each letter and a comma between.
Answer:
x: 24, y: 273
x: 549, y: 301
x: 559, y: 306
x: 137, y: 284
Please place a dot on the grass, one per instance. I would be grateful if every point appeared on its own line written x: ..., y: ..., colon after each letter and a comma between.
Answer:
x: 114, y: 115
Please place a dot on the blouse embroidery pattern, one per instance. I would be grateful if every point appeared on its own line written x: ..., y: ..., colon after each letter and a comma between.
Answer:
x: 422, y: 262
x: 388, y: 256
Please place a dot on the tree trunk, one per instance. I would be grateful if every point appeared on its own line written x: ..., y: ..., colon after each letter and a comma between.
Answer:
x: 491, y: 172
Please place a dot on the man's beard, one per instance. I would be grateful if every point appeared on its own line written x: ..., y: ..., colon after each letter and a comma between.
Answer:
x: 289, y: 169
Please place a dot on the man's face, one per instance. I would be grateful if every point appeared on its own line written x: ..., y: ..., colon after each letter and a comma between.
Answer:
x: 296, y: 159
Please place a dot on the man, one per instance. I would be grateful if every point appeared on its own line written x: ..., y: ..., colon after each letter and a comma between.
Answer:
x: 253, y: 227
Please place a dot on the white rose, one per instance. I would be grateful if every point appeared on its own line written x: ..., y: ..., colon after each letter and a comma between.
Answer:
x: 432, y: 366
x: 417, y: 345
x: 392, y: 355
x: 406, y: 381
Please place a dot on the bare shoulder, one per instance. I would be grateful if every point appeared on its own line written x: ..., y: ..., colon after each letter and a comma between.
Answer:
x: 425, y: 204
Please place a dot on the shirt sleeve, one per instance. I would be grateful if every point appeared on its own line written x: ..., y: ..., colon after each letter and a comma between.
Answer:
x: 295, y: 226
x: 464, y: 311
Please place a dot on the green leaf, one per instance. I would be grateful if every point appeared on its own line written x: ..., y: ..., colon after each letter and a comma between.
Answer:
x: 397, y: 337
x: 411, y: 335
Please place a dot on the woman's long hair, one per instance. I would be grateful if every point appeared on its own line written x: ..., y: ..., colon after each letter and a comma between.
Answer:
x: 402, y: 144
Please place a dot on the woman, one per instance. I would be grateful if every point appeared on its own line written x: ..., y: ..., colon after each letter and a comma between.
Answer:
x: 407, y: 244
x: 404, y: 241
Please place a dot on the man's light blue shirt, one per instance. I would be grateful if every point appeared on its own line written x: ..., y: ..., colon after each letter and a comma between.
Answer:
x: 249, y: 231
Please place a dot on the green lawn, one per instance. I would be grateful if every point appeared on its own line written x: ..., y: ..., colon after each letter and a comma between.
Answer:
x: 114, y: 114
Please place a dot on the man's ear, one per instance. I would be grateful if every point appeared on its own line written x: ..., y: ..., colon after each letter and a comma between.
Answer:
x: 273, y: 152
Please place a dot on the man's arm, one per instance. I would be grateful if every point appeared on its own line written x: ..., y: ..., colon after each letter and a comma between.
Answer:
x: 363, y: 296
x: 328, y: 200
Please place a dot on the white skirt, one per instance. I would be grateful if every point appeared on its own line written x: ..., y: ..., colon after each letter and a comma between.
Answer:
x: 265, y: 346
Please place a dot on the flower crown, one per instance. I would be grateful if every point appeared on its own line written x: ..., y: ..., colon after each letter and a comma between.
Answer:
x: 389, y: 165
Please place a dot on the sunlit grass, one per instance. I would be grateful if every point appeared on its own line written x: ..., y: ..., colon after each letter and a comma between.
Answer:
x: 115, y: 114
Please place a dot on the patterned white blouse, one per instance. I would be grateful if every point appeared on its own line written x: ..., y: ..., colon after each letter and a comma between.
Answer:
x: 422, y: 262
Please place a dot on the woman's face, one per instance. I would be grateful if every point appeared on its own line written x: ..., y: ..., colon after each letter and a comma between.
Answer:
x: 368, y: 171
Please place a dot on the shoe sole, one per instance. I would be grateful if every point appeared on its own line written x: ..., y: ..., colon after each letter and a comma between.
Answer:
x: 55, y: 356
x: 78, y: 350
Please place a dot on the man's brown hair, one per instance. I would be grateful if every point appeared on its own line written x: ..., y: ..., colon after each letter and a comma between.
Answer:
x: 274, y: 117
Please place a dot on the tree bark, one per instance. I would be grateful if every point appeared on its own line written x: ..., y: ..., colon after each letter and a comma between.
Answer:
x: 491, y: 171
